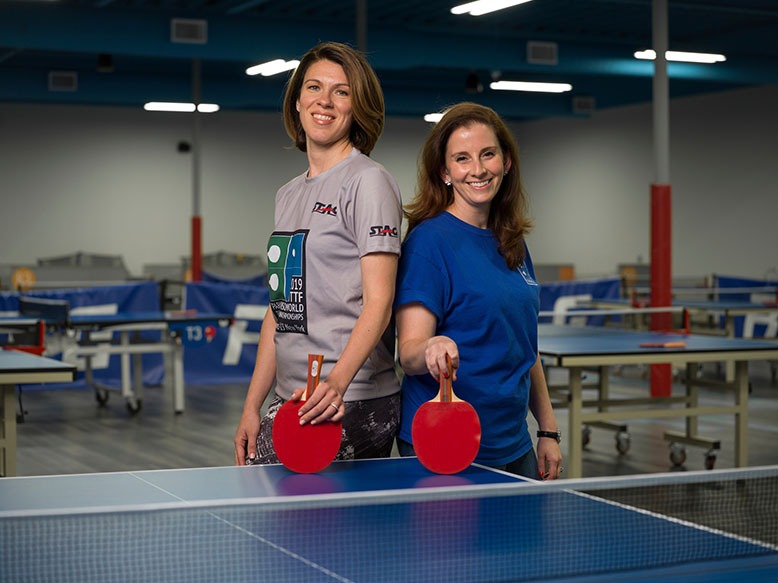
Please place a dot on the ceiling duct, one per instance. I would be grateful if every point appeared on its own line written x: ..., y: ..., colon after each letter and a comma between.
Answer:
x: 63, y: 81
x: 189, y: 31
x: 584, y: 105
x: 542, y: 53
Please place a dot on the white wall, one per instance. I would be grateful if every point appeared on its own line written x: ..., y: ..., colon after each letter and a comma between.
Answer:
x: 590, y: 180
x: 110, y: 180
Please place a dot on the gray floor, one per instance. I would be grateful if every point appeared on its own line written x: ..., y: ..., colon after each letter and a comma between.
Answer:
x: 67, y: 432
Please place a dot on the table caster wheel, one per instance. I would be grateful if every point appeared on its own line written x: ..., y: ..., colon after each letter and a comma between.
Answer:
x: 134, y: 406
x: 623, y: 442
x: 586, y: 436
x: 677, y: 454
x: 101, y: 396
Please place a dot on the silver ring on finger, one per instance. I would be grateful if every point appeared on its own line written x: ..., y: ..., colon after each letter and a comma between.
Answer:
x: 334, y: 405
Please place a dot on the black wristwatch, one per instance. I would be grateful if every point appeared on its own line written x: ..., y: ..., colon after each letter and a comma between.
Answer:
x: 552, y: 434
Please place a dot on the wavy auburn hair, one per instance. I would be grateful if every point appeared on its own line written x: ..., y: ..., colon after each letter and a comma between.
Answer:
x: 508, y: 215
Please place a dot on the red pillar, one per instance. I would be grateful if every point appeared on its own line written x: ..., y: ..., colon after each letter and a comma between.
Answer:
x: 197, y: 249
x: 661, y: 279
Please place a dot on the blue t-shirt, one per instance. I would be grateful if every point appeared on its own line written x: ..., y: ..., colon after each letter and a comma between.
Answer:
x: 456, y: 271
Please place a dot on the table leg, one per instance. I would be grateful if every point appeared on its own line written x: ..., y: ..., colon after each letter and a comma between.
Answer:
x: 124, y: 357
x: 741, y: 417
x: 574, y: 425
x: 178, y: 375
x: 692, y: 395
x: 137, y: 376
x: 8, y: 433
x: 729, y: 366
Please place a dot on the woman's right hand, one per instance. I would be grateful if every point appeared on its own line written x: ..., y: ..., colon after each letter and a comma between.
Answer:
x: 435, y: 356
x: 246, y: 437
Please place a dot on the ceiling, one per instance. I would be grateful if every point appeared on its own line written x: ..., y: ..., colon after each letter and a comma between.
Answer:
x: 422, y: 53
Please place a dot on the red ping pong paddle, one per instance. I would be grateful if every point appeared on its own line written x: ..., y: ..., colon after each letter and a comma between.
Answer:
x: 305, y: 449
x: 446, y: 431
x: 672, y: 344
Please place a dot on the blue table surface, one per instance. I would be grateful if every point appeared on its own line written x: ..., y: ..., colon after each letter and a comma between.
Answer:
x: 706, y: 304
x: 562, y: 339
x: 93, y: 491
x: 18, y: 361
x: 480, y: 529
x: 129, y: 318
x: 132, y: 317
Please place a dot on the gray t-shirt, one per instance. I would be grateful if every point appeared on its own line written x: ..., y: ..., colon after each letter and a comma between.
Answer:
x: 323, y: 226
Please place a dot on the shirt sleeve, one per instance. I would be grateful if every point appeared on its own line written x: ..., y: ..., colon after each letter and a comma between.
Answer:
x: 377, y: 212
x: 420, y: 277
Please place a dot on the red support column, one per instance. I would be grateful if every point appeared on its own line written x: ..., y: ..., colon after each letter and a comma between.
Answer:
x: 661, y: 279
x: 197, y: 249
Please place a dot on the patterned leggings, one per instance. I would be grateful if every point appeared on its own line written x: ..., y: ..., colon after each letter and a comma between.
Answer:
x: 369, y: 429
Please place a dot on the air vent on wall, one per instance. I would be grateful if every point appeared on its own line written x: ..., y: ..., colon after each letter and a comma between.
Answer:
x: 542, y: 53
x: 185, y: 30
x: 63, y: 81
x: 584, y: 105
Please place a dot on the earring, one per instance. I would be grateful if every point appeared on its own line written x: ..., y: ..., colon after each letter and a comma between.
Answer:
x: 447, y: 182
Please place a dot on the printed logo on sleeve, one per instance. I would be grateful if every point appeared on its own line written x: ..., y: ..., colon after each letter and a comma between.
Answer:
x: 286, y: 281
x: 383, y: 231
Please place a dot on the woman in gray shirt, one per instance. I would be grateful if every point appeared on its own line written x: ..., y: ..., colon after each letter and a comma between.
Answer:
x: 332, y: 263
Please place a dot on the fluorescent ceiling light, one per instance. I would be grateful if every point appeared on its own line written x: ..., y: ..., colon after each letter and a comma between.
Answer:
x: 485, y: 6
x: 650, y: 55
x: 433, y: 117
x: 180, y: 107
x: 528, y: 86
x: 272, y: 67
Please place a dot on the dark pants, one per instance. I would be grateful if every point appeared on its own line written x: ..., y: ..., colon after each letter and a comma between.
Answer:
x: 369, y: 429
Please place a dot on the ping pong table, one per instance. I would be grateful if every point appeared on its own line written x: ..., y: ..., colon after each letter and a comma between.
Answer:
x: 383, y: 520
x: 580, y: 348
x: 20, y: 368
x: 129, y: 335
x: 177, y: 329
x: 711, y: 316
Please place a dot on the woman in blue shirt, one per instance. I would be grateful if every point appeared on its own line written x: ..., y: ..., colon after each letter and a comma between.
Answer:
x: 466, y: 289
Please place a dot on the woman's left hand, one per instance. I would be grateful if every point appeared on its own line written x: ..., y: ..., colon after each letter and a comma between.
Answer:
x: 549, y: 459
x: 325, y: 404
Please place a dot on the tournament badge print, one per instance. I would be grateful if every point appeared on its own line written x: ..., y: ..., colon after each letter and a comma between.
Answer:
x: 286, y: 280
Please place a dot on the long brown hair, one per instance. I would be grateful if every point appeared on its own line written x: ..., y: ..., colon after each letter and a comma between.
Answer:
x: 508, y: 215
x: 367, y: 98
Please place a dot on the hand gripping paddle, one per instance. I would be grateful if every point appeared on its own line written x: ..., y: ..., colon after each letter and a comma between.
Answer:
x: 305, y: 449
x: 446, y: 431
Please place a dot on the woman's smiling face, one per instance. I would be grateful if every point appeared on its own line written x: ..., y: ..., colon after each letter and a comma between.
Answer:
x: 475, y: 166
x: 325, y: 104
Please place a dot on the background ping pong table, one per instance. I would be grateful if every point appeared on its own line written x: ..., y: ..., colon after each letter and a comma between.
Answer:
x: 177, y: 329
x: 129, y: 335
x: 20, y: 368
x: 712, y: 316
x: 579, y: 348
x: 384, y: 520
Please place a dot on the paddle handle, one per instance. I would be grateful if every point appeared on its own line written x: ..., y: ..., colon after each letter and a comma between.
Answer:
x: 314, y: 373
x: 446, y: 388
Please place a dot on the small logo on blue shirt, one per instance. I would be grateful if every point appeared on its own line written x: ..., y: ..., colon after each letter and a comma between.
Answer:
x: 526, y: 274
